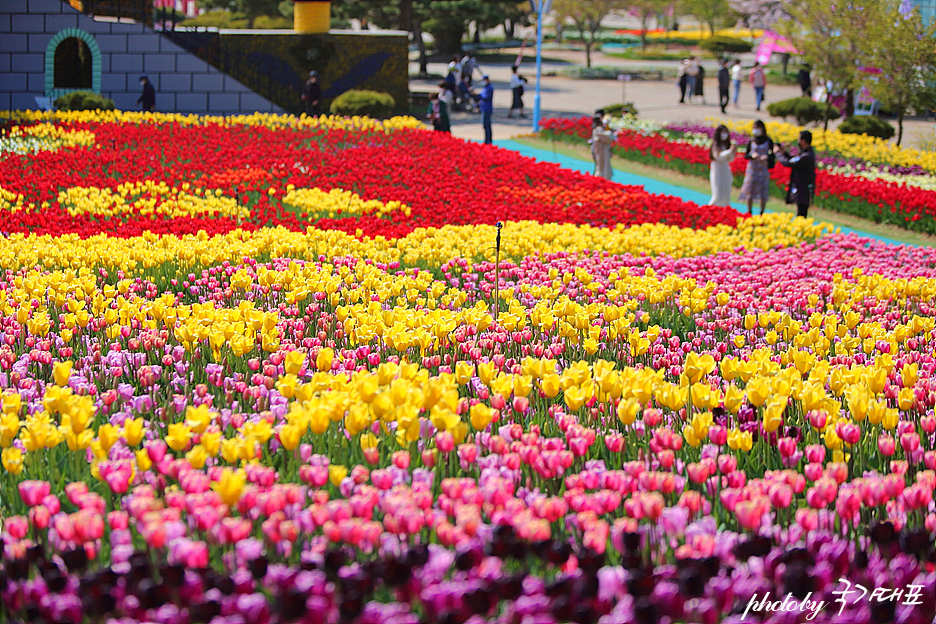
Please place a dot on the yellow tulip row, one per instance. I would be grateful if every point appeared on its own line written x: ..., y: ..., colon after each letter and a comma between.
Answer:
x: 256, y: 119
x: 338, y: 203
x: 149, y: 198
x: 432, y: 246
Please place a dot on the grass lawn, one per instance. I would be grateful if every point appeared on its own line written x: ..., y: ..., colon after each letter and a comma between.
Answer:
x: 698, y: 184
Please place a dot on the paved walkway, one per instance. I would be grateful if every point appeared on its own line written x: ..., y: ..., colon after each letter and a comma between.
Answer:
x: 652, y: 186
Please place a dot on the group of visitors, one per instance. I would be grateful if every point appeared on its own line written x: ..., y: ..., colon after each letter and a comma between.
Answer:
x: 692, y: 76
x: 762, y: 155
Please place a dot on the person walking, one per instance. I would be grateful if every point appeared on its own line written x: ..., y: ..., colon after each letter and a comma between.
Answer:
x: 760, y: 157
x: 446, y: 99
x: 692, y: 76
x: 486, y: 104
x: 802, y: 173
x: 516, y: 86
x: 312, y: 95
x: 721, y: 152
x: 700, y: 84
x: 724, y: 79
x: 758, y: 81
x: 805, y: 80
x: 736, y: 80
x: 469, y: 65
x: 148, y: 97
x: 682, y: 80
x: 601, y: 141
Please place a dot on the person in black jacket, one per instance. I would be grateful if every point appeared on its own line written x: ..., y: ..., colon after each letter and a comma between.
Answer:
x: 802, y: 174
x: 312, y: 95
x: 724, y: 81
x: 805, y: 81
x: 148, y: 99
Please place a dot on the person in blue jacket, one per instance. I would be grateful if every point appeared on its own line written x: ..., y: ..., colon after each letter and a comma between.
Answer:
x: 487, y: 108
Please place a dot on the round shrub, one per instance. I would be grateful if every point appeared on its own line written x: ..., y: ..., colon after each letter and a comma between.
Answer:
x: 867, y: 124
x: 720, y: 44
x: 802, y: 111
x: 363, y: 103
x: 83, y: 100
x: 619, y: 110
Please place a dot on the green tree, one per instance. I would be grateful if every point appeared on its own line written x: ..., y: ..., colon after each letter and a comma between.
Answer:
x: 250, y: 9
x: 713, y: 13
x: 645, y: 11
x: 832, y: 37
x: 587, y: 15
x: 904, y: 51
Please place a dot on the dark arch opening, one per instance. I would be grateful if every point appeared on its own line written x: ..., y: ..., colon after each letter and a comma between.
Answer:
x: 73, y: 65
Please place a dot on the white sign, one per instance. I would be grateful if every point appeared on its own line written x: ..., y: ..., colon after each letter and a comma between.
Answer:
x: 624, y: 77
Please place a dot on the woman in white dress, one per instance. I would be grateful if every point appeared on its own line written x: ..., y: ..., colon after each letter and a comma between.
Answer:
x: 602, y: 140
x: 722, y: 152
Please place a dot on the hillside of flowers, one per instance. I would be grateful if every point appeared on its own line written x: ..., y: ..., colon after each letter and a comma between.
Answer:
x: 269, y: 369
x: 857, y: 174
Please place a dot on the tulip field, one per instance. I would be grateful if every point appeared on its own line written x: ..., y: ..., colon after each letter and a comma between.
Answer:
x: 343, y: 371
x: 857, y: 174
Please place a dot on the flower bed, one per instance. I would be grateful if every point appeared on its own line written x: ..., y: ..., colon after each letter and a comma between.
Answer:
x: 615, y: 423
x: 899, y: 194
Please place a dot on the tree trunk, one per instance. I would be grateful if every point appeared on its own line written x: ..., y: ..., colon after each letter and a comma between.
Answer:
x: 785, y: 60
x: 900, y: 117
x: 421, y: 46
x: 588, y: 47
x: 849, y: 103
x: 510, y: 29
x: 644, y: 24
x: 827, y: 112
x: 406, y: 15
x: 477, y: 33
x: 559, y: 31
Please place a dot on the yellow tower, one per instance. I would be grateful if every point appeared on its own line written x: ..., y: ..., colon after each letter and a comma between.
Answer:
x: 312, y: 16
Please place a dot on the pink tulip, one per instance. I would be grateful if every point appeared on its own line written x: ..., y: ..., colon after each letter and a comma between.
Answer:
x: 32, y: 492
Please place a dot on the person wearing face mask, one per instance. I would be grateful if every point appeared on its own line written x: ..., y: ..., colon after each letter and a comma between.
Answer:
x: 760, y: 157
x: 721, y: 153
x: 602, y: 140
x: 802, y: 173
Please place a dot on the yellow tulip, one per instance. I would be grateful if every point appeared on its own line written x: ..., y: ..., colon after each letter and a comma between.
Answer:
x: 290, y: 436
x: 908, y: 375
x: 61, y: 372
x: 108, y: 434
x: 133, y: 431
x: 698, y: 366
x: 368, y: 441
x: 230, y: 486
x: 178, y: 436
x: 481, y: 416
x: 211, y: 442
x: 12, y: 460
x: 336, y: 474
x: 757, y: 391
x: 324, y: 359
x: 294, y: 361
x: 627, y: 411
x: 197, y: 457
x: 143, y: 460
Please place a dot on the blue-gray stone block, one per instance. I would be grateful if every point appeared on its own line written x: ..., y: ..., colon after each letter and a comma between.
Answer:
x: 37, y: 83
x: 4, y: 63
x: 112, y: 44
x: 159, y: 62
x: 114, y: 82
x: 223, y: 103
x: 210, y: 82
x: 251, y: 103
x: 166, y: 102
x: 190, y: 63
x: 191, y: 102
x: 15, y: 82
x: 55, y: 23
x: 143, y: 43
x: 27, y: 62
x: 39, y: 42
x: 13, y: 6
x: 5, y: 23
x: 4, y: 101
x: 232, y: 86
x: 24, y: 101
x: 28, y: 23
x: 45, y: 6
x: 126, y: 101
x: 93, y: 26
x: 176, y: 83
x: 13, y: 43
x: 126, y: 63
x: 105, y: 63
x: 167, y: 46
x: 119, y: 28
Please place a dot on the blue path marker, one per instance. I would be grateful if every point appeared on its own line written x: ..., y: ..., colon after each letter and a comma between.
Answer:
x: 652, y: 186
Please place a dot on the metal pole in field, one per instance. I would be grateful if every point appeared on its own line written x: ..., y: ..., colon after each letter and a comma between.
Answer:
x: 539, y: 6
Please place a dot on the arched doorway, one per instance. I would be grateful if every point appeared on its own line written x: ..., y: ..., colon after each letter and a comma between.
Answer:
x: 72, y: 63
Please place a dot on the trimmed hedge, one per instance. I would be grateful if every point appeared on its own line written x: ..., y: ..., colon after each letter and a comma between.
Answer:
x: 801, y: 111
x: 720, y: 44
x: 83, y: 100
x: 363, y: 103
x: 619, y: 110
x: 867, y: 124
